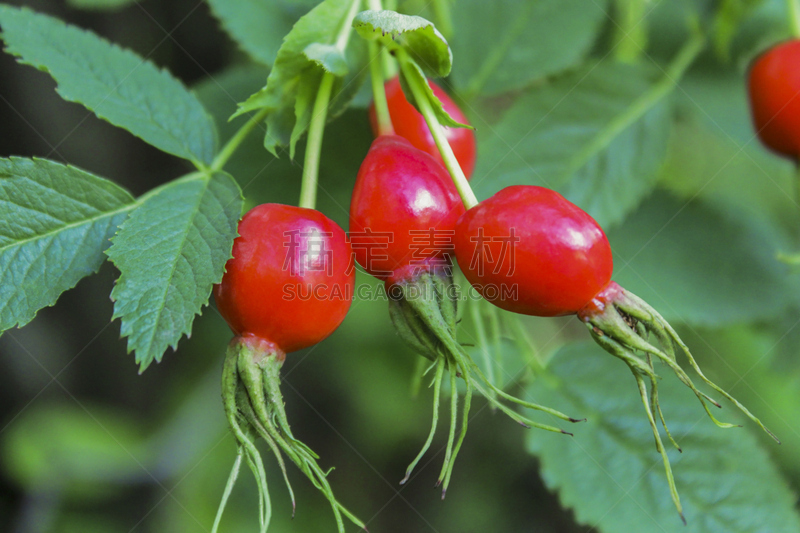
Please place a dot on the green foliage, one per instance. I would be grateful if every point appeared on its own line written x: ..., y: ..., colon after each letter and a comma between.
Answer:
x: 64, y: 447
x: 170, y: 251
x: 727, y: 20
x: 116, y: 84
x: 295, y: 77
x: 604, y: 134
x: 505, y: 45
x: 257, y: 26
x: 419, y: 37
x: 598, y: 136
x: 702, y: 263
x: 612, y: 476
x: 100, y: 5
x: 55, y: 224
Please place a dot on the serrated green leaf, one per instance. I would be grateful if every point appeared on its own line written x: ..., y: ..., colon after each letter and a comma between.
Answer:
x: 328, y: 56
x: 55, y: 224
x: 702, y: 263
x: 612, y: 477
x: 258, y: 26
x: 170, y: 252
x: 114, y: 83
x: 294, y: 75
x: 99, y: 5
x: 417, y: 36
x: 598, y: 136
x: 506, y: 44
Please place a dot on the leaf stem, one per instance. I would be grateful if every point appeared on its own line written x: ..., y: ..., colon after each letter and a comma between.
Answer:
x: 385, y: 126
x: 630, y: 33
x: 347, y: 27
x: 672, y: 75
x: 794, y: 16
x: 450, y: 162
x: 234, y: 142
x: 444, y: 18
x: 319, y: 115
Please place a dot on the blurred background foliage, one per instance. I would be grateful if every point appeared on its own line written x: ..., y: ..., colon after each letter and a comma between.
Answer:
x: 695, y: 208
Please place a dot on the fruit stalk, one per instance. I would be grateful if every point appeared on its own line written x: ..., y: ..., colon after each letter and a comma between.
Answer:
x: 378, y: 92
x: 630, y: 34
x: 234, y: 142
x: 794, y: 16
x: 319, y: 115
x: 450, y: 161
x: 444, y: 17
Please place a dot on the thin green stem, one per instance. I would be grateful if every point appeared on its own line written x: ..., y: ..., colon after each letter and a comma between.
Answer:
x: 630, y: 33
x: 444, y: 18
x: 319, y: 115
x: 347, y: 26
x: 234, y: 142
x: 378, y: 92
x: 389, y: 69
x: 794, y: 16
x: 425, y: 107
x: 672, y: 75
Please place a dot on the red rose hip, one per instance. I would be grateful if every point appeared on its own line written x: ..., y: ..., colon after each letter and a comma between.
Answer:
x: 530, y: 240
x: 410, y: 124
x: 288, y: 286
x: 288, y: 279
x: 774, y: 84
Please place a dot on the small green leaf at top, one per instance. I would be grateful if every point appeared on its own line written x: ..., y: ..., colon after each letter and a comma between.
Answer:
x: 611, y: 475
x: 170, y: 252
x: 55, y: 224
x: 294, y: 80
x: 417, y: 36
x: 116, y: 84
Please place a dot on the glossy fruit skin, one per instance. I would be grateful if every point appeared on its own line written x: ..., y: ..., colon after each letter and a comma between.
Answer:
x: 410, y: 124
x: 774, y: 84
x: 401, y: 191
x: 289, y: 281
x: 561, y: 259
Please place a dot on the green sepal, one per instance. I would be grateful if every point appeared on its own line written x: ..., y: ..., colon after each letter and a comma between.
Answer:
x: 621, y: 323
x: 255, y: 408
x: 426, y: 309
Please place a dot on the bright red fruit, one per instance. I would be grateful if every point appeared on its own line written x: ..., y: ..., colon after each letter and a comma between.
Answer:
x: 410, y: 124
x: 288, y: 281
x: 404, y: 206
x: 529, y: 250
x: 774, y: 87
